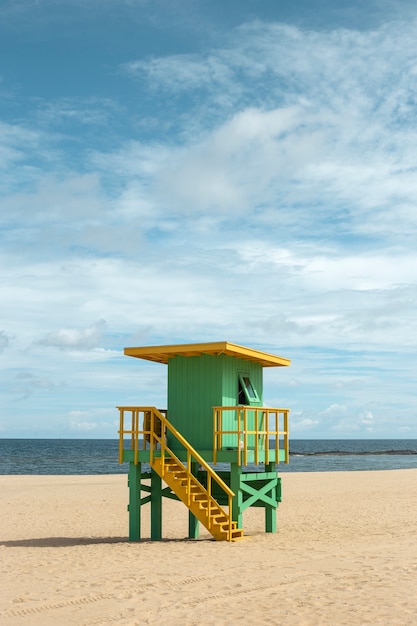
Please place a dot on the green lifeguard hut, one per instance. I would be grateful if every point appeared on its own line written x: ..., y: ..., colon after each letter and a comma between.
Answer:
x: 214, y: 426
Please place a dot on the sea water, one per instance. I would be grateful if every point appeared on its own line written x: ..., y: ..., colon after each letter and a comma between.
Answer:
x: 100, y: 456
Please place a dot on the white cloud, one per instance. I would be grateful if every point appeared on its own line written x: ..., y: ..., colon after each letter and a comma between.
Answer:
x: 75, y: 338
x: 15, y: 144
x: 183, y: 72
x: 86, y: 111
x: 266, y: 195
x: 319, y: 132
x: 83, y: 426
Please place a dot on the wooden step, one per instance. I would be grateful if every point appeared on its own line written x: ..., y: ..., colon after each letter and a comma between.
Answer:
x: 218, y: 517
x: 171, y: 463
x: 225, y: 525
x: 193, y: 495
x: 236, y: 536
x: 201, y: 497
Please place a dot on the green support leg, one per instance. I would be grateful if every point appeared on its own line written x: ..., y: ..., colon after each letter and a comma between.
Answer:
x: 156, y: 506
x: 134, y: 482
x: 271, y: 511
x: 237, y: 500
x: 193, y: 526
x: 193, y: 523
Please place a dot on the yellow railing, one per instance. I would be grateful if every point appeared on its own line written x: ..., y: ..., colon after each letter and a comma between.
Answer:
x: 252, y: 430
x: 140, y: 428
x: 151, y: 425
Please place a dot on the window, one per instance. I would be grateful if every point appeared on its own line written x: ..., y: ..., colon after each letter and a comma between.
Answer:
x: 247, y: 393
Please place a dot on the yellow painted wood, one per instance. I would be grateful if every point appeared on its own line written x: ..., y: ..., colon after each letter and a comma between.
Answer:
x: 161, y: 354
x: 258, y: 437
x: 177, y: 475
x: 194, y: 495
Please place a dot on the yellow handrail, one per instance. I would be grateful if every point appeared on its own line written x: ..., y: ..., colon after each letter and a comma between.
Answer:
x: 155, y: 440
x: 261, y: 432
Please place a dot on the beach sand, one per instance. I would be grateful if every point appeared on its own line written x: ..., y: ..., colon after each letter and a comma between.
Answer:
x: 345, y: 553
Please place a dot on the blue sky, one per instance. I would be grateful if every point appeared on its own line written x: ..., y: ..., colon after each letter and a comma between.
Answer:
x: 187, y: 171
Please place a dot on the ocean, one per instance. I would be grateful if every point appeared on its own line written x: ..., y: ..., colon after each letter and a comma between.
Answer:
x: 100, y: 456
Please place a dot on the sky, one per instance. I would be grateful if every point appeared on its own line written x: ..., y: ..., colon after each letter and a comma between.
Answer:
x: 179, y: 171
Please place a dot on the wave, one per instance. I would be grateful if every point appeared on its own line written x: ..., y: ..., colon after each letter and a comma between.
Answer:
x: 356, y: 453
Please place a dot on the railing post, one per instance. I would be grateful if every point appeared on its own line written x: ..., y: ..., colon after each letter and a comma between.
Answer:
x: 229, y: 533
x: 277, y: 436
x: 152, y: 440
x: 188, y: 477
x: 132, y: 441
x: 209, y: 491
x: 215, y: 430
x: 245, y: 436
x: 121, y: 433
x: 286, y: 440
x: 135, y: 434
x: 266, y: 419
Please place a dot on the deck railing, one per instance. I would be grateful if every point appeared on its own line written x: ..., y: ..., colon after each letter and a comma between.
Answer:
x: 251, y: 429
x: 141, y: 428
x: 151, y: 425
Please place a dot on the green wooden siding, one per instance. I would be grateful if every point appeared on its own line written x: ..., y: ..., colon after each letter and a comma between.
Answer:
x: 196, y: 384
x: 194, y: 387
x: 231, y: 369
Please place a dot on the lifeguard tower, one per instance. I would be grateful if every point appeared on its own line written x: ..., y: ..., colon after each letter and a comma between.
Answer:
x: 214, y: 426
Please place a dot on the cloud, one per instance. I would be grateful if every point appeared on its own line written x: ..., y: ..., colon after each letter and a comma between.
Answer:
x: 69, y: 216
x: 182, y: 72
x: 337, y: 419
x: 238, y: 166
x: 324, y: 140
x: 84, y: 426
x: 13, y: 138
x: 4, y: 341
x: 75, y: 110
x: 93, y: 422
x: 75, y: 338
x: 26, y: 384
x: 262, y: 190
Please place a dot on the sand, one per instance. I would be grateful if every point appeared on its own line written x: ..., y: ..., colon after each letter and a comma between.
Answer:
x: 345, y: 553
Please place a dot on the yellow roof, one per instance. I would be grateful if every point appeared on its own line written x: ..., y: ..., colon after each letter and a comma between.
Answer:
x: 161, y: 354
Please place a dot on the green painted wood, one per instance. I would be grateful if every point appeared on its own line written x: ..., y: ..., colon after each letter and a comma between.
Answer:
x: 270, y: 519
x: 264, y: 494
x: 193, y: 523
x: 223, y: 456
x: 193, y: 526
x: 156, y: 506
x: 196, y: 384
x: 134, y: 483
x: 231, y: 368
x: 271, y: 511
x: 168, y: 493
x: 235, y: 474
x: 194, y: 387
x: 262, y: 489
x: 258, y: 476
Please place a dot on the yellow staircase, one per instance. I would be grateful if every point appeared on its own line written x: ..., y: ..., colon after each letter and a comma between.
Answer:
x: 178, y: 475
x: 196, y: 497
